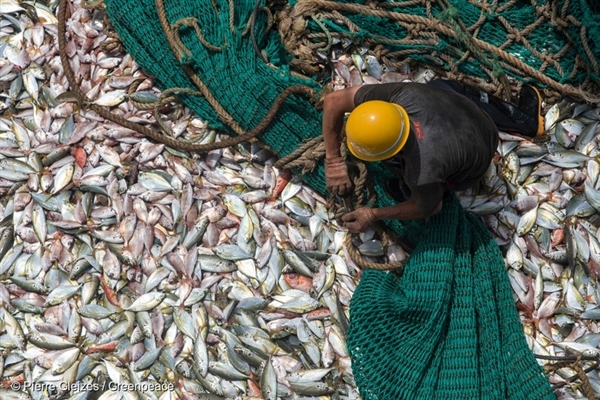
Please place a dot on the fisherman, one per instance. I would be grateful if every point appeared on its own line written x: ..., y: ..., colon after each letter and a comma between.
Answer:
x: 435, y: 137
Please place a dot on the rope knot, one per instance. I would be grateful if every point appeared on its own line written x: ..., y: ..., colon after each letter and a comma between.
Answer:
x: 544, y: 11
x: 424, y: 27
x: 518, y: 36
x: 430, y: 24
x: 546, y: 57
x: 379, y: 51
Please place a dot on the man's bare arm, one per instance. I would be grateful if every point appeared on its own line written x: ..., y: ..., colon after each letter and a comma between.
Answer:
x: 404, y: 211
x: 335, y: 105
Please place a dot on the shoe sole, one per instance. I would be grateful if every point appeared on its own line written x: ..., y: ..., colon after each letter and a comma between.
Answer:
x: 541, y: 123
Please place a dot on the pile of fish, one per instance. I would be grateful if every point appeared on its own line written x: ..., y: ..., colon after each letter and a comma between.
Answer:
x: 132, y: 270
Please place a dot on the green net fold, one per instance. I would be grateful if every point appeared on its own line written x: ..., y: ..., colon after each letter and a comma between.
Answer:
x: 448, y: 329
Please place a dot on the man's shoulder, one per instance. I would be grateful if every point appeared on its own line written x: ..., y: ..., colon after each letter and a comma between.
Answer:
x: 387, y: 86
x: 379, y: 91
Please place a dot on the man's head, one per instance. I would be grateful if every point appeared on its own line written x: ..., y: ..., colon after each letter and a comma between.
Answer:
x: 377, y: 130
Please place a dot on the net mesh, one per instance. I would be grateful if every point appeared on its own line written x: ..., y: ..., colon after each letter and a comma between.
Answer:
x: 448, y: 329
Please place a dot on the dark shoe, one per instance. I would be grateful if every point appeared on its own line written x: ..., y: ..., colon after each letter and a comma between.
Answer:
x: 530, y: 102
x: 397, y: 189
x: 523, y: 119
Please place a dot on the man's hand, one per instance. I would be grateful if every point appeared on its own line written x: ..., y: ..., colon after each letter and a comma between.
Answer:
x: 335, y: 105
x: 336, y: 176
x: 359, y: 220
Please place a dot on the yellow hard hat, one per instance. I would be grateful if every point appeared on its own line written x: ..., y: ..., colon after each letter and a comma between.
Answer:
x: 376, y: 130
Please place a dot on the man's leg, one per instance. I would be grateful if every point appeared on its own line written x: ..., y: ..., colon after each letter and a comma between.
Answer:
x: 524, y: 119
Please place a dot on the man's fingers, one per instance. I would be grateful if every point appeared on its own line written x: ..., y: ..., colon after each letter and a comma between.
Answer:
x: 338, y: 186
x: 352, y: 228
x: 348, y: 217
x: 345, y: 188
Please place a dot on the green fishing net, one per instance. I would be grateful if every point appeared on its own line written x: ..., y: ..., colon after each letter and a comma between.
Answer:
x: 547, y: 42
x: 448, y: 328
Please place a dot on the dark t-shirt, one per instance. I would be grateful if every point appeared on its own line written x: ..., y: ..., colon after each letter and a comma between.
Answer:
x: 451, y: 140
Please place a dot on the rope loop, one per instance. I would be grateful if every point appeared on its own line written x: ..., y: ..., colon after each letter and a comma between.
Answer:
x: 192, y: 23
x: 361, y: 262
x: 166, y: 97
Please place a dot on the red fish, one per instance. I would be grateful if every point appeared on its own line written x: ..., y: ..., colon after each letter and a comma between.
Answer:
x: 106, y: 348
x: 16, y: 381
x: 299, y: 282
x: 558, y: 235
x: 253, y: 389
x: 110, y: 294
x: 320, y: 313
x: 80, y: 156
x: 282, y: 180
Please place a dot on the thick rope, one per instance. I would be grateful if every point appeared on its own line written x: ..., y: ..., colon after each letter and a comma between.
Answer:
x: 193, y: 22
x: 361, y: 262
x: 231, y: 16
x: 588, y: 51
x: 576, y: 364
x: 360, y: 182
x: 252, y: 34
x: 306, y: 156
x: 145, y: 106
